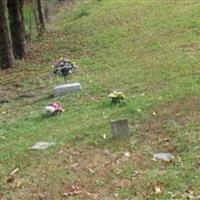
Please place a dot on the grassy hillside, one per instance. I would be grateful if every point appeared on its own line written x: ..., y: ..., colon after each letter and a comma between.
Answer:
x: 148, y: 48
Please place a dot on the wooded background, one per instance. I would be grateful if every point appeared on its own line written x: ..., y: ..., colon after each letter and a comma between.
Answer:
x: 15, y: 30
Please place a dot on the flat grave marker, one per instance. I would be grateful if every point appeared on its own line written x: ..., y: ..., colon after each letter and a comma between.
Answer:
x: 42, y: 145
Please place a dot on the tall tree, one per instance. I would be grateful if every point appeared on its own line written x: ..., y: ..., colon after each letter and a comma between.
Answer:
x: 6, y: 54
x: 17, y: 28
x: 41, y: 15
x: 21, y: 3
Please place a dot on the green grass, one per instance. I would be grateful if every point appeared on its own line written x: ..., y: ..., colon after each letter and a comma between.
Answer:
x: 150, y: 50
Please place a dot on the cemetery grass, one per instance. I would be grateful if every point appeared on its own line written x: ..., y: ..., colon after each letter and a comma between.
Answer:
x: 150, y: 50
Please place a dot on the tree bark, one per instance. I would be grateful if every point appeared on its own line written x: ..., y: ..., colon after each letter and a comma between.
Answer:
x: 17, y: 28
x: 6, y: 54
x: 41, y: 15
x: 21, y: 3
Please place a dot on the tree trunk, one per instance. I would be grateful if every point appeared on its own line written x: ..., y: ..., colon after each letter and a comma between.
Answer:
x: 17, y: 28
x: 6, y: 54
x: 21, y: 3
x: 41, y: 15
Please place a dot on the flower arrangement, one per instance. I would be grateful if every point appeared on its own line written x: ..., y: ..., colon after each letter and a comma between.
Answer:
x: 64, y: 67
x: 117, y: 97
x: 54, y: 108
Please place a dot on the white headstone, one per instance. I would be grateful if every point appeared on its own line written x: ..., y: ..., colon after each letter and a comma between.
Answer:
x: 61, y: 90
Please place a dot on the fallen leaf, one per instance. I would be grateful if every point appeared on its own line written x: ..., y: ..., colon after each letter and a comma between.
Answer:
x: 134, y: 175
x: 14, y: 171
x: 127, y: 154
x: 75, y: 165
x: 74, y: 190
x: 18, y: 184
x: 157, y: 190
x: 104, y: 136
x: 189, y: 194
x: 94, y: 196
x: 154, y: 113
x: 178, y: 114
x: 116, y: 195
x: 76, y: 153
x: 91, y: 171
x: 61, y: 152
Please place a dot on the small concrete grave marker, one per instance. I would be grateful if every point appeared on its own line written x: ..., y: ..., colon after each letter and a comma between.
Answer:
x: 42, y: 145
x: 163, y: 156
x: 120, y: 128
x: 64, y: 89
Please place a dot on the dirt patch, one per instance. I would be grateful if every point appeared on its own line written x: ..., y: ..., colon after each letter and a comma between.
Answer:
x: 92, y: 172
x: 185, y: 110
x: 181, y: 113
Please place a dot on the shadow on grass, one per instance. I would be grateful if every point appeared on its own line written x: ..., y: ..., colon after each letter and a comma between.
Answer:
x: 45, y: 116
x: 81, y: 13
x: 110, y: 105
x: 43, y: 98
